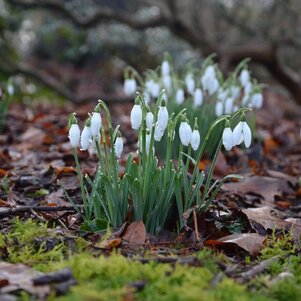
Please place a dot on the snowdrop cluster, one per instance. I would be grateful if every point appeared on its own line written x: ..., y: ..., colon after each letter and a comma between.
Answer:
x: 149, y: 187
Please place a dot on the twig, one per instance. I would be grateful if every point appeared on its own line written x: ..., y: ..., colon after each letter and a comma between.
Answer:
x: 14, y: 211
x: 196, y: 229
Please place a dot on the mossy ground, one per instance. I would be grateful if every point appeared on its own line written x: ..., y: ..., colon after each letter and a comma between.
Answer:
x: 118, y: 278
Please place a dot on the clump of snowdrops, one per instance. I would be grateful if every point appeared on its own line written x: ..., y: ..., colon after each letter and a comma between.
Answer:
x: 150, y: 190
x: 205, y: 92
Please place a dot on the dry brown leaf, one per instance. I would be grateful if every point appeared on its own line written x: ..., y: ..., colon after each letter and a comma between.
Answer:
x: 111, y: 243
x: 135, y: 234
x: 250, y: 242
x: 267, y: 187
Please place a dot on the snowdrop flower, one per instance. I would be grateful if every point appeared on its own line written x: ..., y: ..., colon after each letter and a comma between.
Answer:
x: 222, y: 95
x: 162, y: 117
x: 229, y: 104
x: 190, y: 83
x: 147, y: 142
x: 242, y: 133
x: 245, y: 99
x: 219, y: 108
x: 74, y: 132
x: 86, y: 136
x: 235, y: 91
x: 165, y: 68
x: 244, y: 77
x: 10, y: 89
x: 195, y: 139
x: 167, y: 82
x: 158, y: 134
x: 149, y: 120
x: 257, y: 100
x: 198, y: 98
x: 248, y: 88
x: 155, y: 90
x: 180, y: 96
x: 130, y: 86
x: 209, y: 80
x: 213, y: 86
x: 147, y: 97
x: 185, y: 133
x: 96, y: 122
x: 227, y: 138
x: 149, y: 85
x: 118, y: 146
x: 136, y: 117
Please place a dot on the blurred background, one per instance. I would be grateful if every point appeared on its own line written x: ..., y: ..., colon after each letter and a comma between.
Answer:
x: 78, y: 49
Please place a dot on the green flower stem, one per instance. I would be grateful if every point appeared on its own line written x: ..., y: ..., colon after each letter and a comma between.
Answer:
x: 188, y: 157
x: 81, y: 182
x: 99, y: 155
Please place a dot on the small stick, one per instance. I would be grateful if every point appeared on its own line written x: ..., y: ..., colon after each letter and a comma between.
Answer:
x: 196, y: 230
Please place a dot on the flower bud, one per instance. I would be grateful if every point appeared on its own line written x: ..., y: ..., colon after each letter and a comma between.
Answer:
x: 190, y: 83
x: 195, y: 139
x: 74, y: 135
x: 227, y: 138
x: 136, y: 117
x: 167, y: 82
x: 149, y: 120
x: 257, y: 100
x: 155, y: 90
x: 219, y: 108
x: 165, y: 68
x: 229, y: 104
x: 85, y: 137
x: 185, y: 133
x: 244, y: 77
x: 248, y: 88
x: 198, y: 98
x: 130, y: 86
x: 147, y: 97
x: 162, y: 118
x: 96, y: 124
x: 118, y: 146
x: 180, y: 96
x: 147, y: 142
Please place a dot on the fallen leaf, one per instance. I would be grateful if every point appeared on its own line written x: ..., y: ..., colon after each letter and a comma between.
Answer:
x: 135, y: 234
x: 267, y: 187
x: 110, y: 243
x: 250, y: 242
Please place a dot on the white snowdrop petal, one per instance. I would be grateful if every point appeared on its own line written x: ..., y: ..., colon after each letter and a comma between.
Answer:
x: 213, y: 86
x: 149, y: 120
x: 185, y: 133
x: 95, y: 124
x: 158, y: 134
x: 162, y: 117
x: 180, y: 96
x: 248, y: 88
x: 244, y: 77
x: 219, y: 108
x: 227, y: 138
x: 198, y: 98
x: 136, y: 117
x: 147, y: 142
x: 165, y: 68
x: 190, y: 83
x: 118, y: 146
x: 167, y: 82
x: 155, y: 91
x: 238, y: 134
x: 257, y: 100
x: 229, y: 105
x: 195, y: 139
x: 74, y: 135
x: 85, y: 138
x: 130, y: 86
x: 147, y: 97
x: 247, y: 134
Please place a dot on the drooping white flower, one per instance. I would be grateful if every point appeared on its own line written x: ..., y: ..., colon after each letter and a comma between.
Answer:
x: 162, y: 118
x: 190, y: 83
x: 158, y: 134
x: 248, y: 88
x: 222, y: 95
x: 180, y: 96
x: 245, y: 99
x: 165, y: 68
x: 74, y: 135
x: 147, y: 142
x: 149, y: 85
x: 198, y: 98
x: 235, y: 91
x: 213, y: 86
x: 118, y: 147
x: 242, y: 133
x: 185, y: 133
x: 229, y: 104
x: 149, y: 120
x: 244, y: 77
x: 136, y: 117
x: 147, y: 97
x: 210, y: 71
x: 130, y: 86
x: 96, y: 124
x: 227, y: 138
x: 257, y: 100
x: 85, y: 137
x: 167, y: 82
x: 219, y: 108
x: 155, y: 91
x: 195, y: 139
x: 10, y: 89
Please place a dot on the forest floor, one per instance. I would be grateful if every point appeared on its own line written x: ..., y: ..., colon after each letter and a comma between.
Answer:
x: 250, y: 237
